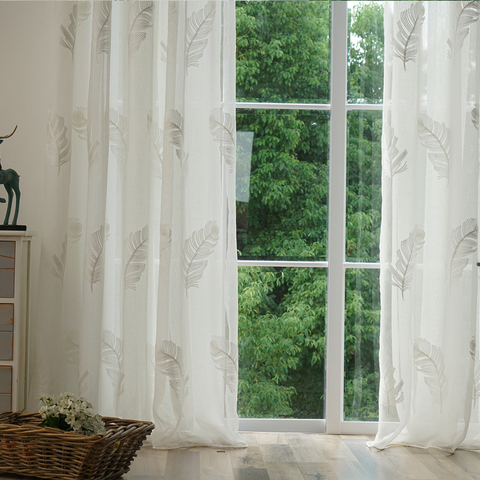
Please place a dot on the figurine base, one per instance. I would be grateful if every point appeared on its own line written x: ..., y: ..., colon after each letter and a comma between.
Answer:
x: 14, y: 228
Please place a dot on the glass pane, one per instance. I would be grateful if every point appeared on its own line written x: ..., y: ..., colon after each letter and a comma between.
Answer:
x: 364, y: 179
x: 282, y: 189
x: 283, y: 51
x: 362, y: 332
x: 365, y: 52
x: 281, y: 342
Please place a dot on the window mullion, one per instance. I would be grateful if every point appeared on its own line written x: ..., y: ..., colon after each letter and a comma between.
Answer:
x: 336, y: 234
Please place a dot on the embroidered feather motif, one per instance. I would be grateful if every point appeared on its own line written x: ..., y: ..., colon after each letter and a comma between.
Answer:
x: 58, y: 268
x: 136, y: 252
x: 475, y: 116
x: 222, y: 126
x: 169, y: 361
x: 392, y: 393
x: 80, y: 11
x: 225, y: 356
x: 112, y: 356
x: 197, y: 248
x: 58, y: 145
x: 476, y: 370
x: 198, y: 27
x: 468, y: 13
x: 429, y: 361
x: 102, y: 25
x: 464, y: 243
x: 405, y: 46
x: 156, y: 135
x: 79, y: 122
x: 394, y: 163
x: 402, y: 273
x: 118, y: 135
x: 435, y: 137
x: 174, y: 132
x: 94, y: 271
x: 141, y: 21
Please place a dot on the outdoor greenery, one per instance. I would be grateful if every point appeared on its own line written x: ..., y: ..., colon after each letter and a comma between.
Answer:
x: 283, y: 56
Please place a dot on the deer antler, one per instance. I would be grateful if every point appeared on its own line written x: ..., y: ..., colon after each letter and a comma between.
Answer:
x: 14, y: 130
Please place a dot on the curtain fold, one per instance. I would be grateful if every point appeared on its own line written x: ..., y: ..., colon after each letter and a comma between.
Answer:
x: 137, y: 308
x: 429, y: 354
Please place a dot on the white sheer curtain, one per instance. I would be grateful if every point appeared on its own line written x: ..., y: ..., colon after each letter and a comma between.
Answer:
x: 430, y: 367
x: 138, y: 309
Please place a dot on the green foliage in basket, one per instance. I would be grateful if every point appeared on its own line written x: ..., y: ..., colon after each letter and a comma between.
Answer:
x: 70, y: 413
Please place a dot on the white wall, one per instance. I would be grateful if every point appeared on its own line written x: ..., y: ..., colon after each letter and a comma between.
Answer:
x: 28, y: 40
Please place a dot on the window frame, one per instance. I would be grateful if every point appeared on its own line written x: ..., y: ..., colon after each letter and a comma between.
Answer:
x: 334, y: 422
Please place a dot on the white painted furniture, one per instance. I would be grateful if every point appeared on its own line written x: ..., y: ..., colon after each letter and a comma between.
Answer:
x: 15, y: 249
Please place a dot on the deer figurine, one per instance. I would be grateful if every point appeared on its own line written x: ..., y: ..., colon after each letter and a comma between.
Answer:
x: 10, y: 180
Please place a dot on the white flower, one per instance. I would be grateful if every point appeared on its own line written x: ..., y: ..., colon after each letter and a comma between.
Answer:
x: 76, y: 412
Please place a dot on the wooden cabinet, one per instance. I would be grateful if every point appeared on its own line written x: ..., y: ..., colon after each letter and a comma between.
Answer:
x: 14, y: 314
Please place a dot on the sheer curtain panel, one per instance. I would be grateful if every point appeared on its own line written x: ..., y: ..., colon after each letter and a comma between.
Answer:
x: 138, y: 286
x: 430, y: 365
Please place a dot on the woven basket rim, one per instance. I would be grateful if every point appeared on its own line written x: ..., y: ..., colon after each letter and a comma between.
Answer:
x: 55, y: 432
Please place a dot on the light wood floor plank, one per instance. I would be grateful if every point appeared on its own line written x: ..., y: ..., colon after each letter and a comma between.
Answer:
x: 247, y: 457
x: 317, y: 471
x: 284, y: 471
x: 372, y: 460
x: 183, y: 464
x: 215, y: 464
x: 277, y: 453
x: 443, y: 467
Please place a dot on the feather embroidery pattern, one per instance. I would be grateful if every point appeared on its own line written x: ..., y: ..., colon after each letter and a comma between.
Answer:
x: 43, y: 375
x: 429, y: 361
x: 402, y: 273
x: 174, y: 132
x: 468, y: 13
x: 392, y: 393
x: 102, y: 27
x: 72, y: 348
x: 222, y: 126
x: 94, y: 271
x: 112, y: 356
x: 405, y: 46
x: 464, y: 243
x: 225, y: 355
x: 476, y: 371
x: 79, y: 122
x: 475, y: 116
x: 394, y: 162
x: 197, y: 248
x: 69, y: 35
x: 136, y: 253
x: 169, y: 361
x: 118, y: 134
x: 435, y: 137
x: 58, y: 268
x: 165, y: 237
x: 80, y: 11
x: 156, y: 134
x: 58, y: 146
x: 83, y: 383
x: 141, y: 21
x: 74, y: 231
x: 199, y: 26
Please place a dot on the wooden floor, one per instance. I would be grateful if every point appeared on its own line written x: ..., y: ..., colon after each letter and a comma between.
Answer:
x: 291, y: 456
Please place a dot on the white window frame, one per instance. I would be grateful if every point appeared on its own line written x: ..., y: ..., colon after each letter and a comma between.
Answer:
x: 336, y: 264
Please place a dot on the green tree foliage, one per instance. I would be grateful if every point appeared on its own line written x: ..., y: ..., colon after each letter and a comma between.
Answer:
x: 283, y: 56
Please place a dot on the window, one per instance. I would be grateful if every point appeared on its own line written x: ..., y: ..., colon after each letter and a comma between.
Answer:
x: 309, y: 92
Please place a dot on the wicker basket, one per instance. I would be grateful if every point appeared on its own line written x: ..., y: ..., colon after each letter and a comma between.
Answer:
x: 27, y: 449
